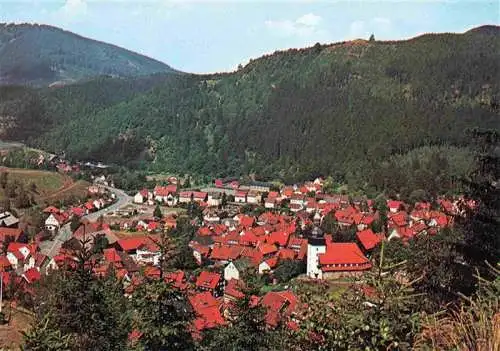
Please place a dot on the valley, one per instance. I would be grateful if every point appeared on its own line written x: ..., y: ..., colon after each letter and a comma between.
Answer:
x: 343, y: 196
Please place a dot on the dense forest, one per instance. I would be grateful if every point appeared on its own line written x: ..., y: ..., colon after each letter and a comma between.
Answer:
x: 361, y: 111
x: 41, y: 55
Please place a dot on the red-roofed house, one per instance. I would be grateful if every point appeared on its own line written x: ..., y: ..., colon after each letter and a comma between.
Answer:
x: 438, y: 219
x: 112, y: 256
x: 177, y: 279
x: 268, y: 265
x: 233, y: 291
x: 344, y: 217
x: 89, y: 206
x: 141, y: 196
x: 200, y: 252
x: 286, y: 254
x: 253, y: 255
x: 240, y: 196
x: 394, y: 206
x: 398, y: 219
x: 207, y: 311
x: 279, y: 237
x: 199, y: 196
x: 267, y: 250
x: 51, y: 209
x: 185, y: 196
x: 225, y: 253
x: 365, y: 222
x: 342, y: 258
x: 404, y: 233
x: 369, y: 239
x: 246, y: 221
x: 17, y: 253
x: 143, y: 249
x: 31, y: 276
x: 299, y: 245
x: 210, y: 281
x: 447, y: 206
x: 77, y: 211
x: 279, y: 305
x: 5, y: 264
x: 165, y: 193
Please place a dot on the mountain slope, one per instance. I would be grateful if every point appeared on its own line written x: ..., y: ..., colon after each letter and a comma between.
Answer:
x: 333, y: 109
x: 41, y: 55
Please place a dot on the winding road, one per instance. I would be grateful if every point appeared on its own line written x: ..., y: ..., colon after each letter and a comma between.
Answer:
x: 51, y: 247
x: 122, y: 200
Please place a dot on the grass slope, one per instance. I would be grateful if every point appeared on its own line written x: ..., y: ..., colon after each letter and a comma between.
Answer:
x: 50, y: 186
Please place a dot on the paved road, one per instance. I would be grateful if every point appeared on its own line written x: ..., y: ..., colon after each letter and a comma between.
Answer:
x: 51, y: 247
x: 122, y: 200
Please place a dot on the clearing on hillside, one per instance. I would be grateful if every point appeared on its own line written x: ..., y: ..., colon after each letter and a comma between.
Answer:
x: 49, y: 186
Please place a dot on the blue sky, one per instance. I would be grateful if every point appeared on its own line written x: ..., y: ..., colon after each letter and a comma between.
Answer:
x: 210, y: 36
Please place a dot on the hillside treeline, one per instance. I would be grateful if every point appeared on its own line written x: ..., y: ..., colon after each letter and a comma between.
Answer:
x: 341, y: 109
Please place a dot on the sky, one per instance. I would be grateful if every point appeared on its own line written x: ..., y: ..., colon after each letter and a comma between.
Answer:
x: 203, y: 36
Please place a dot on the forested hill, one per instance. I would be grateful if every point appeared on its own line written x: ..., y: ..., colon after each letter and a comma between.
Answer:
x: 41, y: 55
x: 330, y: 109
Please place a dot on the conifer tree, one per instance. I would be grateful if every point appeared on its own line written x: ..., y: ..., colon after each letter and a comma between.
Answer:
x: 90, y: 312
x: 482, y: 222
x: 162, y: 315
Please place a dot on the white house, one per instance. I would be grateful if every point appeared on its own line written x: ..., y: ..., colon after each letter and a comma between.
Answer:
x: 171, y: 200
x: 231, y: 272
x: 17, y: 253
x: 162, y: 193
x: 297, y: 199
x: 141, y: 196
x: 185, y: 197
x: 211, y: 217
x: 240, y: 196
x: 214, y: 199
x: 253, y: 197
x: 268, y: 265
x: 54, y: 222
x: 147, y: 256
x: 270, y: 203
x: 98, y: 204
x: 8, y: 220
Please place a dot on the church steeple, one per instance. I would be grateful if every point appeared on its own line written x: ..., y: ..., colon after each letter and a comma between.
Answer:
x: 316, y: 245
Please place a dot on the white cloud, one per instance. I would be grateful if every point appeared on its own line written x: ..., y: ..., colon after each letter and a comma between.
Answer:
x: 304, y: 26
x: 310, y: 20
x: 73, y: 9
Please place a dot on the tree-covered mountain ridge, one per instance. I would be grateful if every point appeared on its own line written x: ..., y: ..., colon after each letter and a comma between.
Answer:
x: 41, y: 55
x: 338, y: 109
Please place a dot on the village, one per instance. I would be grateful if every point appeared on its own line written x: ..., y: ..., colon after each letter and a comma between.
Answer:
x: 239, y: 229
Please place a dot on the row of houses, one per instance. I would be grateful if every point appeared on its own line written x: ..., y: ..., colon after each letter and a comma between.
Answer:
x: 211, y: 293
x: 169, y: 195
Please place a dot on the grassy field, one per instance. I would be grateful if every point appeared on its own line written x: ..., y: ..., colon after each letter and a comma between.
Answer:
x: 50, y: 186
x: 75, y: 189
